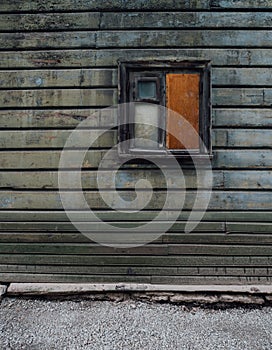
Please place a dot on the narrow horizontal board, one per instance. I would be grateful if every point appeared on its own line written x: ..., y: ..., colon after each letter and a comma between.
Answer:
x: 123, y: 179
x: 54, y: 119
x: 58, y: 78
x: 242, y: 76
x: 178, y: 226
x: 184, y: 20
x: 242, y: 138
x: 57, y: 139
x: 135, y: 270
x: 144, y: 260
x: 106, y: 97
x: 84, y: 5
x: 261, y: 159
x: 240, y: 96
x: 132, y: 20
x: 135, y: 39
x: 174, y: 280
x: 220, y: 200
x: 108, y: 58
x: 233, y: 159
x: 58, y: 98
x: 152, y: 249
x: 56, y: 216
x: 127, y: 179
x: 242, y: 117
x: 118, y: 5
x: 173, y: 238
x: 95, y: 77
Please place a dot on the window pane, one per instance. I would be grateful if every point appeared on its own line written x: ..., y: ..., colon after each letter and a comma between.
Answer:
x: 147, y: 89
x: 182, y: 94
x: 146, y: 136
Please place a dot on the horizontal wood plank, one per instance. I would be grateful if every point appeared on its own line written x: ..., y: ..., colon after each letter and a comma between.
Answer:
x: 135, y: 270
x: 126, y: 179
x: 54, y: 119
x: 260, y: 238
x: 57, y: 139
x: 56, y: 216
x: 242, y: 117
x: 242, y: 138
x: 83, y: 5
x: 220, y: 200
x: 108, y: 58
x: 58, y: 78
x: 232, y: 159
x: 132, y: 20
x: 118, y: 5
x: 178, y: 226
x: 135, y: 39
x: 144, y: 260
x: 59, y: 97
x: 107, y: 77
x: 106, y: 97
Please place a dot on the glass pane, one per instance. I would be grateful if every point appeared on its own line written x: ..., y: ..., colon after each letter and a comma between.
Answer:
x: 146, y: 136
x: 147, y: 89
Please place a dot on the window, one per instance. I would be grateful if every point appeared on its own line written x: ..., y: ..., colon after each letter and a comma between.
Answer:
x: 182, y: 87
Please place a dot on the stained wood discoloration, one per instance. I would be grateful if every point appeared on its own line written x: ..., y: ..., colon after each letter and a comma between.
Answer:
x: 59, y: 67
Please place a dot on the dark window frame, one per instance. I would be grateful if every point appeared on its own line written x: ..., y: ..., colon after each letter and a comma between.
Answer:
x: 157, y: 70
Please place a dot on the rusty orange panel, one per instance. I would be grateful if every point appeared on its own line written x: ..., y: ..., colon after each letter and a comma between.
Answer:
x: 182, y: 96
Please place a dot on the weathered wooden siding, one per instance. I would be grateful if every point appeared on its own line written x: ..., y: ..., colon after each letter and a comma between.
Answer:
x: 59, y: 64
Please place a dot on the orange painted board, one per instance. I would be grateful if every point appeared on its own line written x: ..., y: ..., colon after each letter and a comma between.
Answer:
x: 182, y: 97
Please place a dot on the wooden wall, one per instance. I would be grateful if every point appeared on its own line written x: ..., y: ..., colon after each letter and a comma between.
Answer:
x: 59, y: 63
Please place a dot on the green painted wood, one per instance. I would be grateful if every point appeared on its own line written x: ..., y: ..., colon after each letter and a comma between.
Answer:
x: 54, y: 119
x: 59, y: 78
x: 260, y: 238
x: 232, y: 159
x: 241, y: 4
x: 220, y: 200
x: 56, y: 139
x: 242, y: 76
x: 58, y: 98
x: 107, y: 97
x: 50, y: 215
x: 67, y: 226
x: 134, y: 39
x: 84, y: 5
x: 240, y: 96
x: 141, y: 260
x: 135, y: 270
x: 108, y: 58
x: 242, y: 138
x: 59, y: 278
x: 108, y: 77
x: 127, y: 179
x: 128, y: 20
x: 124, y: 179
x: 212, y: 280
x: 152, y: 249
x: 119, y: 5
x: 255, y: 159
x: 47, y: 159
x: 243, y: 118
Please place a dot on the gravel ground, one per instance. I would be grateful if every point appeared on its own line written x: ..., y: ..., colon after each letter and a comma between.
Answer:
x: 44, y: 324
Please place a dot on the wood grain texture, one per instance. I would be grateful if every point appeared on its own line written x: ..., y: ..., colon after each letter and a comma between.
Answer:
x: 108, y: 57
x: 220, y: 200
x: 182, y: 97
x: 118, y: 5
x: 128, y: 20
x: 135, y: 39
